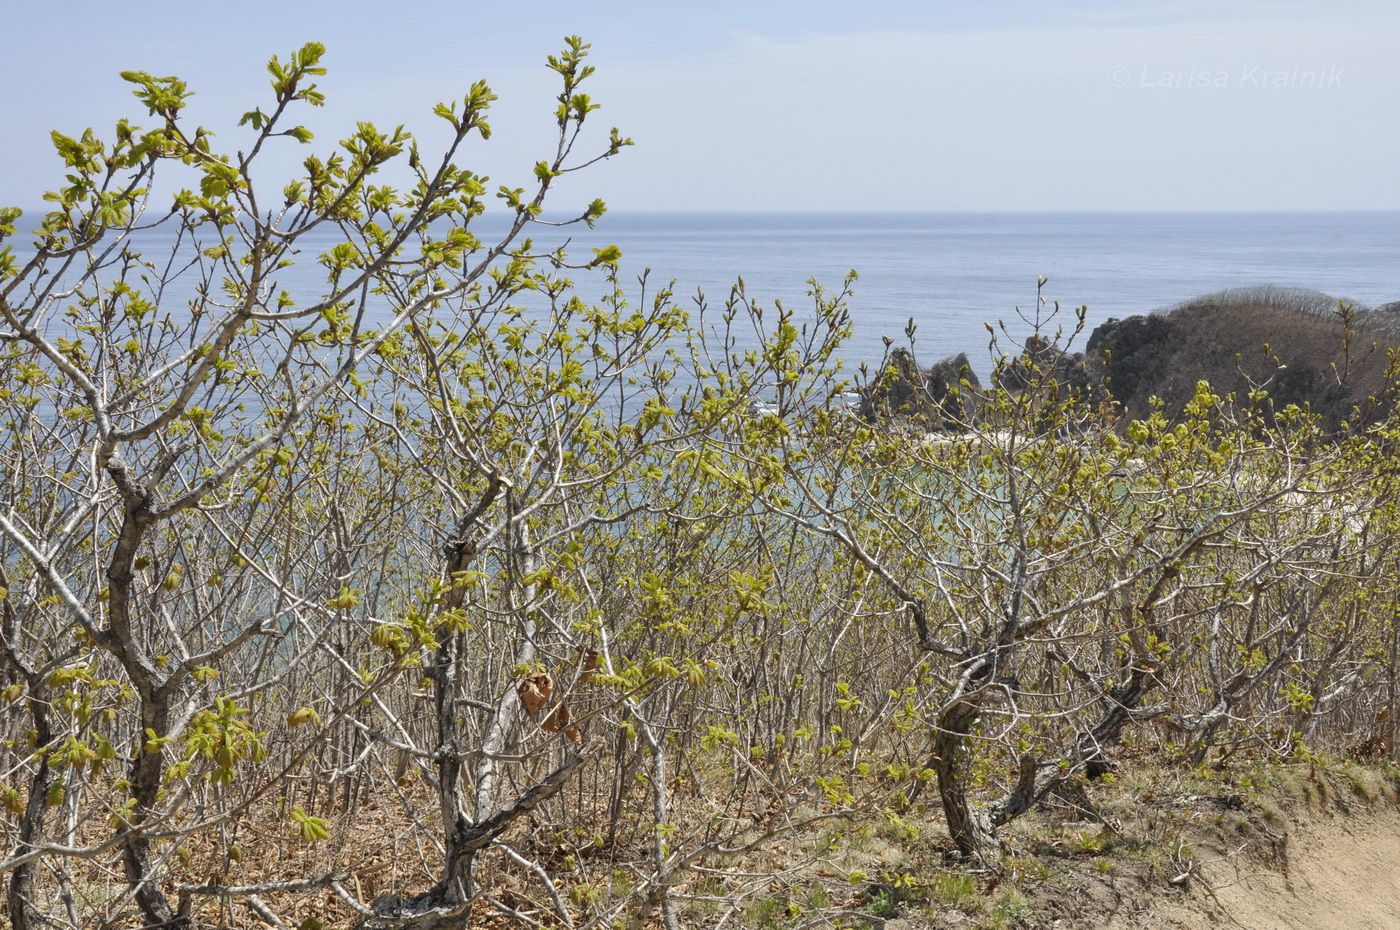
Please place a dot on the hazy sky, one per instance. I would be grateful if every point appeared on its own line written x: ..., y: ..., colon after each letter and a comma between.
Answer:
x: 814, y: 105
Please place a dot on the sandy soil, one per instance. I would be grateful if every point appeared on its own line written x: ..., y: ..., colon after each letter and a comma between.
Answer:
x: 1338, y: 873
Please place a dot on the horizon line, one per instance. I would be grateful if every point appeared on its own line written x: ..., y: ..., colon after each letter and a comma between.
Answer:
x: 935, y: 211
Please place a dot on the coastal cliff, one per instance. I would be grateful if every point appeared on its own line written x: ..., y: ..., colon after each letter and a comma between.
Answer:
x: 1302, y: 347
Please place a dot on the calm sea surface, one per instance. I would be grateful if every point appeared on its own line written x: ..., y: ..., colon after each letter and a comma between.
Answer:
x: 953, y: 272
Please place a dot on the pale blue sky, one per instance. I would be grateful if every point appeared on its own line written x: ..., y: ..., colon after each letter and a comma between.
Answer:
x: 1084, y: 105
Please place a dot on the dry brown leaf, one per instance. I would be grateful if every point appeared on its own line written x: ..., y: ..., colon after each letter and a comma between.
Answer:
x: 558, y: 718
x: 590, y: 664
x: 534, y: 692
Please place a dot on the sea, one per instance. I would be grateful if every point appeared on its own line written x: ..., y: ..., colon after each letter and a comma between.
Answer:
x: 952, y: 273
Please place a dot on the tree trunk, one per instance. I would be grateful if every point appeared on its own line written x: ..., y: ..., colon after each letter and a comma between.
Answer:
x: 145, y: 775
x: 1122, y: 706
x: 24, y: 915
x: 447, y: 905
x: 970, y: 830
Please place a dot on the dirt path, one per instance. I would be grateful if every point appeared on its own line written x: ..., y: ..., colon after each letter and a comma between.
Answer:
x: 1339, y: 873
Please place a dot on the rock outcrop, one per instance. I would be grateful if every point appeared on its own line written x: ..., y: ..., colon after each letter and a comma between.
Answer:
x: 940, y: 397
x: 1298, y: 356
x: 1293, y: 343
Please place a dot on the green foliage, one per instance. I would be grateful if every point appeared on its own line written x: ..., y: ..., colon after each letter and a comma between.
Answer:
x: 310, y: 829
x: 223, y: 738
x: 442, y: 534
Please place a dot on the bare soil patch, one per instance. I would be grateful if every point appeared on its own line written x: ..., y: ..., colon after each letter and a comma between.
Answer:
x: 1338, y: 872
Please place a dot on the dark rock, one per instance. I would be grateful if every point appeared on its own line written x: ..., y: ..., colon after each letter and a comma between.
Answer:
x: 943, y: 386
x: 1298, y: 354
x: 1043, y: 362
x: 935, y: 397
x: 1132, y: 354
x: 1302, y: 347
